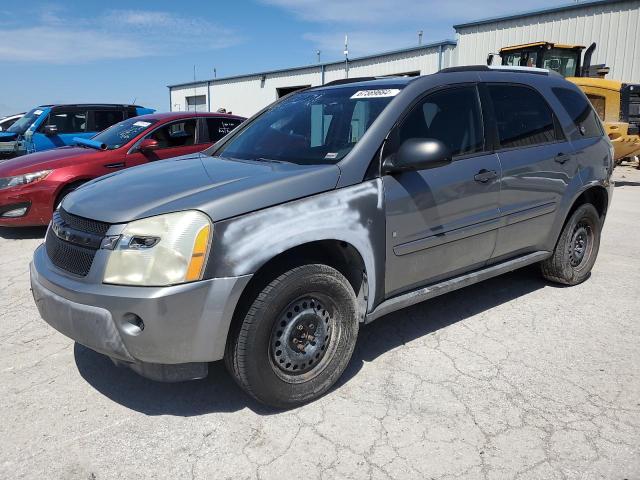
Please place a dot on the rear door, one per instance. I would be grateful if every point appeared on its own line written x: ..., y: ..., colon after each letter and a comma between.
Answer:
x: 441, y: 221
x: 174, y: 139
x: 537, y: 165
x: 101, y: 118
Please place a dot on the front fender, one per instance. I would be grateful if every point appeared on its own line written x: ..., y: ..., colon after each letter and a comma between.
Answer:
x: 353, y: 214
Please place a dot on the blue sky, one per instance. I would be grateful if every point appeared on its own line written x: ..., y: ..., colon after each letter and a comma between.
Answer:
x: 118, y: 51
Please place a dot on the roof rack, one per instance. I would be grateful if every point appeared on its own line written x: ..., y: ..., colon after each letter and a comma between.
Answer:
x: 499, y: 68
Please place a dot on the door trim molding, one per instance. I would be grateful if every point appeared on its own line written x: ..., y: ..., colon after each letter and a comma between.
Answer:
x: 425, y: 293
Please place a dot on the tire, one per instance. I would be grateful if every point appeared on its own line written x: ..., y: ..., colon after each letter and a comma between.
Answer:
x: 296, y: 338
x: 576, y: 249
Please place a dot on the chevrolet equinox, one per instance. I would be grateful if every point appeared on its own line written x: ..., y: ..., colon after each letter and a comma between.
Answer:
x: 329, y: 208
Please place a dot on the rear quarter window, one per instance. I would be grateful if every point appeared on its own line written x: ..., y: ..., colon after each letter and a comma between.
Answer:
x: 581, y: 112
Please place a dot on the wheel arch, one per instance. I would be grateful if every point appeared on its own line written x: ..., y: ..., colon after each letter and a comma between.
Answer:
x: 72, y: 184
x: 339, y: 254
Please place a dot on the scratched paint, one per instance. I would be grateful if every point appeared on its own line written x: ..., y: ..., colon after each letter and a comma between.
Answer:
x: 354, y: 215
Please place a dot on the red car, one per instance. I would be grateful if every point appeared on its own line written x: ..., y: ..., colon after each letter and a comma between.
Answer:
x: 32, y: 186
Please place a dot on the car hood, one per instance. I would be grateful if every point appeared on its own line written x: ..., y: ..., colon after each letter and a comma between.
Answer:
x: 220, y: 187
x: 47, y: 160
x: 8, y: 136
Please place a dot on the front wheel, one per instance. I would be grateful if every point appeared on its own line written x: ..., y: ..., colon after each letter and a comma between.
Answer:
x: 297, y: 337
x: 577, y: 248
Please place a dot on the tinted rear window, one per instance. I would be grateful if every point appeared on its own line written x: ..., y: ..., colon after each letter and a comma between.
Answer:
x: 219, y: 127
x: 522, y: 115
x: 580, y: 110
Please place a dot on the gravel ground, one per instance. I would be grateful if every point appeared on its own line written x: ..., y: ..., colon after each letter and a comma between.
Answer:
x: 511, y: 378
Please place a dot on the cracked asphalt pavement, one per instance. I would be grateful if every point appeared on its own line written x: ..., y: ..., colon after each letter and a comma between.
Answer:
x: 513, y: 378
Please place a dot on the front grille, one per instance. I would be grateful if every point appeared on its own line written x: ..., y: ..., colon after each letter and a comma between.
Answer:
x: 67, y: 256
x: 84, y: 224
x: 73, y: 241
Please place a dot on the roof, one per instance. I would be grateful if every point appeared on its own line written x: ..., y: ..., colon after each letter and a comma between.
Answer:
x: 178, y: 115
x: 426, y: 46
x: 541, y: 44
x: 88, y: 105
x: 381, y: 82
x: 532, y: 13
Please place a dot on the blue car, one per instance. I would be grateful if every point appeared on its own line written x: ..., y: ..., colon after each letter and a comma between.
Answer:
x: 51, y: 126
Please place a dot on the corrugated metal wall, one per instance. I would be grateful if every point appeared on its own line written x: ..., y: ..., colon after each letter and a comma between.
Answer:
x: 246, y: 95
x: 615, y: 27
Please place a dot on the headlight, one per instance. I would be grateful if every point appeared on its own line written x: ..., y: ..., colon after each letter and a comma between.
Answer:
x: 163, y: 250
x: 9, y: 182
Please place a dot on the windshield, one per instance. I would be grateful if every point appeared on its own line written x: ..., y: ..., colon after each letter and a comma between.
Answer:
x: 313, y: 127
x: 25, y: 122
x: 121, y: 133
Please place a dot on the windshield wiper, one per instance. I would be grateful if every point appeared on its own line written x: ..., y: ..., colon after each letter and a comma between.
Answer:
x: 272, y: 160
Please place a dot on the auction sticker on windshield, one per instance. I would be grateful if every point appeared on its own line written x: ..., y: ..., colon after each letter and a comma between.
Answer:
x: 379, y: 93
x: 142, y: 124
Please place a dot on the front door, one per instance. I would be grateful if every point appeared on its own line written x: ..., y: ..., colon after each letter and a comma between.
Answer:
x: 442, y: 221
x: 174, y: 139
x: 70, y: 122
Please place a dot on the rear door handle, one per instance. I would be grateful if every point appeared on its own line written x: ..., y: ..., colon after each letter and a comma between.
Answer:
x: 114, y: 165
x: 562, y: 158
x: 484, y: 175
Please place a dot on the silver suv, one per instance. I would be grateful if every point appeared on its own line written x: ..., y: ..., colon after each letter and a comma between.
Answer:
x: 330, y: 208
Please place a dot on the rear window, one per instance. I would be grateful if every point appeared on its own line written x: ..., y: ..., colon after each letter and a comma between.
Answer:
x: 523, y: 117
x: 583, y: 116
x: 219, y: 127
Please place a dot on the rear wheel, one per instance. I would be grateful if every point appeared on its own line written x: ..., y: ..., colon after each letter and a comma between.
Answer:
x: 297, y: 337
x: 577, y: 248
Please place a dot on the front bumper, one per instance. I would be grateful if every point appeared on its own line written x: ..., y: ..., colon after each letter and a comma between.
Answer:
x: 37, y: 197
x: 184, y: 325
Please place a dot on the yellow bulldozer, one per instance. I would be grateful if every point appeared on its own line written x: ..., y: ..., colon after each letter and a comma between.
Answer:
x: 617, y: 103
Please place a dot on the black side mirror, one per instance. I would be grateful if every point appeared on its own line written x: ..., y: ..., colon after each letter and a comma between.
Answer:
x: 490, y: 59
x: 418, y: 154
x: 50, y: 130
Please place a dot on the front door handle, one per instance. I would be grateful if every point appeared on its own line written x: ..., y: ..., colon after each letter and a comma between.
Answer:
x: 484, y: 175
x: 562, y: 158
x: 114, y: 165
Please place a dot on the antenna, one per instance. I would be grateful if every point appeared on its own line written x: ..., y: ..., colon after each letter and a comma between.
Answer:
x: 346, y: 56
x: 420, y: 32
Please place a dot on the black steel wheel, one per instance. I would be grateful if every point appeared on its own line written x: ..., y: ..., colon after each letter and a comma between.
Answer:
x: 296, y: 338
x: 577, y: 248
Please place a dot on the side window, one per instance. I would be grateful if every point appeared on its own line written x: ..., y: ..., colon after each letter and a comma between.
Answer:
x: 103, y: 119
x: 219, y: 127
x: 580, y: 111
x: 451, y: 116
x: 523, y: 117
x: 68, y: 121
x: 178, y: 134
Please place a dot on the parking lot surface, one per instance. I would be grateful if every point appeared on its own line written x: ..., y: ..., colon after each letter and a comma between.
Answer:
x: 510, y: 378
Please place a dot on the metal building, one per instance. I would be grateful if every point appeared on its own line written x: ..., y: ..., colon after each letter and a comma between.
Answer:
x: 246, y: 94
x: 613, y: 24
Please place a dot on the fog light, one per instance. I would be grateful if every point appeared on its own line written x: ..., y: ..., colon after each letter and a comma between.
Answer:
x: 16, y: 212
x: 132, y: 324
